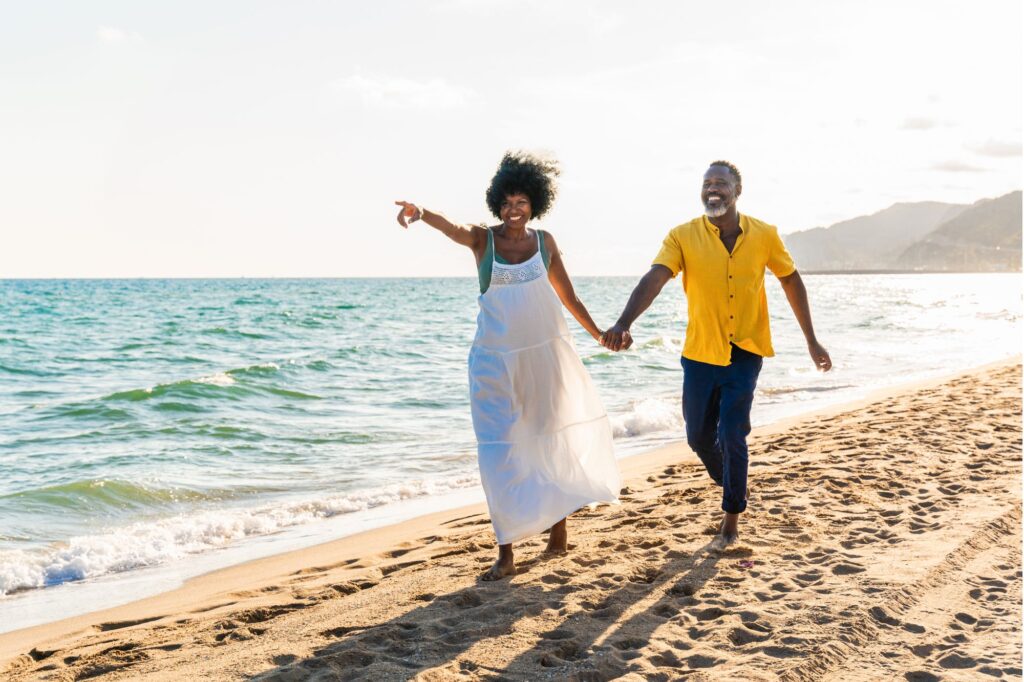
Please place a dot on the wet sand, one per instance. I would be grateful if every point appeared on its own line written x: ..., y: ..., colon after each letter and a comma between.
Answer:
x: 883, y: 541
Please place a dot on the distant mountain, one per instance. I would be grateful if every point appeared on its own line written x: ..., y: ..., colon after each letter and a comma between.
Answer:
x: 985, y: 237
x: 872, y: 242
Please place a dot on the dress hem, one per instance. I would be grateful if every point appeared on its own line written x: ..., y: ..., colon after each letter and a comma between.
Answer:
x: 540, y: 526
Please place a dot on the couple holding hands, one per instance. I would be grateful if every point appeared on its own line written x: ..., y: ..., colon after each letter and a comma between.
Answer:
x: 544, y: 441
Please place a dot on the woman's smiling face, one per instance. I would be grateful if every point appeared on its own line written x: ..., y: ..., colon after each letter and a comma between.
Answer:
x: 516, y: 210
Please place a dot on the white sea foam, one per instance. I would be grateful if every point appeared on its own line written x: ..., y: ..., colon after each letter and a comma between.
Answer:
x: 219, y: 379
x: 647, y: 416
x: 151, y: 543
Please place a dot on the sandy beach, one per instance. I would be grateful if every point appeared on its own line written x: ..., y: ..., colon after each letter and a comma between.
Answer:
x: 883, y: 541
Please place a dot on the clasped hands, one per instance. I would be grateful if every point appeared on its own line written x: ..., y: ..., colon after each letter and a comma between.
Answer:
x: 616, y: 338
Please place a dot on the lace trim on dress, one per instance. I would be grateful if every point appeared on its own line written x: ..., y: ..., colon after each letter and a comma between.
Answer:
x: 503, y: 274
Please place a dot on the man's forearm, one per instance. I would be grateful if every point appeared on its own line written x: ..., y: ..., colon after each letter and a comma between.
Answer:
x: 646, y: 290
x: 796, y: 294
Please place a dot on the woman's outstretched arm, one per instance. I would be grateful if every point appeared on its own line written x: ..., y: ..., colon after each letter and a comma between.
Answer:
x: 562, y: 285
x: 473, y: 236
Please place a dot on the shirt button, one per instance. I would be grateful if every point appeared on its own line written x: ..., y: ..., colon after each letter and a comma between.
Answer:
x: 730, y: 296
x: 730, y: 317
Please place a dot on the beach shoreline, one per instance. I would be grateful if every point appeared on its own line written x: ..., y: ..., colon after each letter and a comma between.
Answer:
x: 388, y: 551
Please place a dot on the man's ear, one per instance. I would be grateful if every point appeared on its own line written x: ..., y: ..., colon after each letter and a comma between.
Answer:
x: 739, y: 189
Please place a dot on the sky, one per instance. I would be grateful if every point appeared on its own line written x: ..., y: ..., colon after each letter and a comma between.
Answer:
x: 259, y: 139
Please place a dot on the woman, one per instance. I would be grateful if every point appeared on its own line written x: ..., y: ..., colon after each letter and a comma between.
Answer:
x: 543, y: 439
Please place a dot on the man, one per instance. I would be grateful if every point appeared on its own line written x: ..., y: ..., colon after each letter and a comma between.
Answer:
x: 723, y: 257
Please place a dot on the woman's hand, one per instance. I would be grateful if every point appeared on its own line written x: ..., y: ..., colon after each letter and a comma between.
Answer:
x: 410, y: 213
x: 474, y: 237
x: 617, y: 338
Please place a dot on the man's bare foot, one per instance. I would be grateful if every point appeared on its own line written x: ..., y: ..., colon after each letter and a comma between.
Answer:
x: 728, y: 532
x: 504, y: 566
x: 558, y: 539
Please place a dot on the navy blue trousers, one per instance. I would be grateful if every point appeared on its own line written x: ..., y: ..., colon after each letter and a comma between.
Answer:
x: 716, y: 408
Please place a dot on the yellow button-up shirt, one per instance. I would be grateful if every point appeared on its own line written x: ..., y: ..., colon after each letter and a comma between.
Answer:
x: 725, y: 292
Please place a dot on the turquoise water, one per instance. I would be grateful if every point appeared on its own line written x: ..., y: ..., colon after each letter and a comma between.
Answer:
x: 145, y: 423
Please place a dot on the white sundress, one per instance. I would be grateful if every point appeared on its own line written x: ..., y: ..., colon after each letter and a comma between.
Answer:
x: 544, y: 442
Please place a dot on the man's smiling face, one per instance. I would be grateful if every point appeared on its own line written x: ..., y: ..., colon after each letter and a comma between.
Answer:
x: 719, y: 192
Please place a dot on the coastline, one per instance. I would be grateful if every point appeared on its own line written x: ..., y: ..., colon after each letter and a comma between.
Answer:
x: 385, y: 551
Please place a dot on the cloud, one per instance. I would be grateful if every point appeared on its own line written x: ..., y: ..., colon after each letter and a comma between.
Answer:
x: 402, y: 93
x: 956, y: 167
x: 996, y: 148
x: 109, y: 34
x: 920, y: 123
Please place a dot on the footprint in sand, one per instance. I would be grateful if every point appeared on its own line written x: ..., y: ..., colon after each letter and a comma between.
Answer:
x: 847, y: 569
x: 766, y: 597
x: 558, y: 578
x: 644, y: 574
x: 781, y: 586
x: 699, y: 661
x: 882, y: 616
x: 666, y: 611
x: 711, y: 613
x: 955, y: 661
x: 741, y: 636
x: 695, y: 633
x: 666, y: 659
x: 629, y: 643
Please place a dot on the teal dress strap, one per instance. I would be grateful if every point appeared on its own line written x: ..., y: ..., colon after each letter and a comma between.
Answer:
x: 486, y: 263
x: 545, y: 256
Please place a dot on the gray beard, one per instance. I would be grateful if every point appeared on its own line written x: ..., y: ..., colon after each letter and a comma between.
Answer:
x: 716, y: 212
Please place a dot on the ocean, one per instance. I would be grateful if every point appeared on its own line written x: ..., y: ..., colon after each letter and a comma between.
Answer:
x: 151, y: 430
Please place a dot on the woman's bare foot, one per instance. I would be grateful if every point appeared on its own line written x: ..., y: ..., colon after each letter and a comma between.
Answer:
x: 558, y: 539
x: 504, y: 566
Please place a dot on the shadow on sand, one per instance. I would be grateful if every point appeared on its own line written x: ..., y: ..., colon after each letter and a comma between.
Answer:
x: 594, y: 638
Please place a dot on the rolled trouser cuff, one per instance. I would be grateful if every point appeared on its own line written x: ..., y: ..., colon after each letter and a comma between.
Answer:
x: 734, y: 508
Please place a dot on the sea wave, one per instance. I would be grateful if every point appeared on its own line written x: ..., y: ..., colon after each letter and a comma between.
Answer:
x: 22, y: 371
x: 1002, y: 315
x: 233, y: 384
x: 108, y: 494
x: 785, y: 390
x: 647, y: 416
x: 234, y: 333
x: 200, y: 387
x: 217, y: 385
x: 152, y: 543
x: 262, y: 369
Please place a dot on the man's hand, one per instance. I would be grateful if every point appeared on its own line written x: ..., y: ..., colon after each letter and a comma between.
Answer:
x: 616, y: 338
x: 820, y: 356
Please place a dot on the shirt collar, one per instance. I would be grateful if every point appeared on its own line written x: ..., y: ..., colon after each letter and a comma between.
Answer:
x: 710, y: 226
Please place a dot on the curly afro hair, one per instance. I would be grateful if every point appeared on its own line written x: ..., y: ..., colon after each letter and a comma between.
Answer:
x: 524, y: 173
x: 732, y: 169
